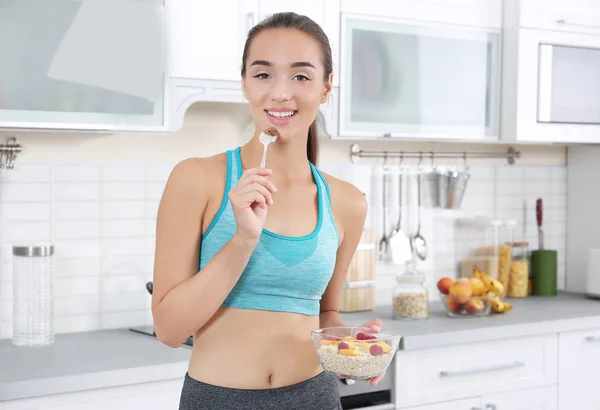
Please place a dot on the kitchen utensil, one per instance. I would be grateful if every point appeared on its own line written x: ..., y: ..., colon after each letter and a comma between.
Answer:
x: 452, y: 186
x: 419, y: 241
x: 149, y: 287
x: 384, y: 241
x: 400, y: 241
x: 539, y: 216
x: 267, y: 137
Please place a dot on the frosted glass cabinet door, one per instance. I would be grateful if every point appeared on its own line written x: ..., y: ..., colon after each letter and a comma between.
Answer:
x: 97, y: 65
x: 418, y: 80
x: 569, y: 84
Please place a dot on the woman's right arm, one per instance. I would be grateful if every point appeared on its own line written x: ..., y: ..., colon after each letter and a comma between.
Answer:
x: 184, y: 299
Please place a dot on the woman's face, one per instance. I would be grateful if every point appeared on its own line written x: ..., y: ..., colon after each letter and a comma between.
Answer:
x: 284, y: 82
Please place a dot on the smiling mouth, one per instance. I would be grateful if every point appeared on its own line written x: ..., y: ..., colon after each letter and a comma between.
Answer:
x: 281, y: 114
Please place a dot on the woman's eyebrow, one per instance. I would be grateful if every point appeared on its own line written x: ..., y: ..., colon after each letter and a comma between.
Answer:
x: 296, y: 64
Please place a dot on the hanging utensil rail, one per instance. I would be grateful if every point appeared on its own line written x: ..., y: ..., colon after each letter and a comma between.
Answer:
x: 8, y: 153
x: 356, y: 153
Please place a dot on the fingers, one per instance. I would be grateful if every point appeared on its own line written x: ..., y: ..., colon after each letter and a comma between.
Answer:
x: 375, y: 380
x: 258, y: 177
x: 257, y: 187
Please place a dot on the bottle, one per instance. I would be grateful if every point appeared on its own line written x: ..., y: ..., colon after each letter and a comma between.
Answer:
x: 410, y: 297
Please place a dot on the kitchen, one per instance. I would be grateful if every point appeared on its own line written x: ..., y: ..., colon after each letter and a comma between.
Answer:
x: 93, y: 149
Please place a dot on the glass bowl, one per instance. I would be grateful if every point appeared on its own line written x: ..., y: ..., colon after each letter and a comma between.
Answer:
x: 461, y: 306
x: 354, y: 352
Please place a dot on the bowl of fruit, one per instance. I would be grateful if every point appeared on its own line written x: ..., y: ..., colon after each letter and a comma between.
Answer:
x: 472, y: 297
x: 354, y: 352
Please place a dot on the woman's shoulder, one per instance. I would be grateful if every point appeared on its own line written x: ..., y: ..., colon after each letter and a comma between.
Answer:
x: 345, y: 197
x: 197, y: 172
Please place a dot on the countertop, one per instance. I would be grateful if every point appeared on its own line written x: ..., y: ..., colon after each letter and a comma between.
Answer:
x: 81, y: 361
x: 530, y: 316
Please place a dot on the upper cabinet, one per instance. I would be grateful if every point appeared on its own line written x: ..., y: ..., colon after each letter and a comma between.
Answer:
x: 551, y: 71
x: 428, y: 70
x: 83, y: 65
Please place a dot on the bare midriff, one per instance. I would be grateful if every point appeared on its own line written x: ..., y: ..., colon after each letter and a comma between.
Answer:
x: 255, y: 349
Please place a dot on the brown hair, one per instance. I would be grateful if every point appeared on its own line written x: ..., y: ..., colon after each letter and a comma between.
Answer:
x: 307, y: 26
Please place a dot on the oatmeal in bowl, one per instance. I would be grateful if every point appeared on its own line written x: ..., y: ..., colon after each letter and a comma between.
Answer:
x: 354, y: 352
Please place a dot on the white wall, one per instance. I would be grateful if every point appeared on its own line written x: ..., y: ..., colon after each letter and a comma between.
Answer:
x: 95, y: 196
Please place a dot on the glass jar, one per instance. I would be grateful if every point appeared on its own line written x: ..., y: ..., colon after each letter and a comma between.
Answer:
x: 518, y: 286
x: 33, y: 295
x: 410, y: 298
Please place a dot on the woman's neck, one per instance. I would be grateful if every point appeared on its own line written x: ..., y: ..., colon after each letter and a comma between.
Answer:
x: 287, y: 159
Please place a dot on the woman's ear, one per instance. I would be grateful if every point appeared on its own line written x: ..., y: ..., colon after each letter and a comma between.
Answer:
x: 328, y: 87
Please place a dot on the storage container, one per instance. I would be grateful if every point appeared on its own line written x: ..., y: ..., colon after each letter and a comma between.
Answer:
x: 410, y: 299
x: 33, y: 293
x: 358, y: 291
x: 518, y: 285
x: 485, y: 242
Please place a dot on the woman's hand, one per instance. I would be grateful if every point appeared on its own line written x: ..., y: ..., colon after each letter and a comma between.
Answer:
x: 249, y: 200
x: 375, y: 327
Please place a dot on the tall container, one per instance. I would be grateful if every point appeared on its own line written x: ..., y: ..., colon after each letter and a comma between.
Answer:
x: 33, y: 293
x: 358, y: 291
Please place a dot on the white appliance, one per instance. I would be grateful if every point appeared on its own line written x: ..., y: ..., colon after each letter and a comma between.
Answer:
x: 592, y: 286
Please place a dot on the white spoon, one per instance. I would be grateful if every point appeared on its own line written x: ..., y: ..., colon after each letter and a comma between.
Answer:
x: 267, y: 137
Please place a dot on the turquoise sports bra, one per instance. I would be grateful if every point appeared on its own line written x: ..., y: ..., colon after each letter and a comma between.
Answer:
x: 284, y: 273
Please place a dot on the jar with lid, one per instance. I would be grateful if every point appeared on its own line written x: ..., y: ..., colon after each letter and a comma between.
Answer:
x: 410, y: 297
x: 518, y: 284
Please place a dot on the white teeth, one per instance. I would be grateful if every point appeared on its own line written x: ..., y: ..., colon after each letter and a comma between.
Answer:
x: 281, y: 114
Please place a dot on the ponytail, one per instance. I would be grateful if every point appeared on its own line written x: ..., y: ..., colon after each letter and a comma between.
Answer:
x: 312, y: 143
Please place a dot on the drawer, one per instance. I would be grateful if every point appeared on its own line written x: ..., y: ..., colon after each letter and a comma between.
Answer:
x: 458, y: 372
x: 574, y: 15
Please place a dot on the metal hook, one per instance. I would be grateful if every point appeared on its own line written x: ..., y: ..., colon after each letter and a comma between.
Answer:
x: 420, y: 159
x: 432, y: 162
x: 385, y: 157
x: 465, y: 159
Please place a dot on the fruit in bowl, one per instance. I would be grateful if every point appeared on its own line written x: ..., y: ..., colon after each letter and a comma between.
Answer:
x: 353, y: 352
x: 474, y: 306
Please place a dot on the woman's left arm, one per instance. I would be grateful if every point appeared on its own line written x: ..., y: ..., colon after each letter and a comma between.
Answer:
x: 350, y: 208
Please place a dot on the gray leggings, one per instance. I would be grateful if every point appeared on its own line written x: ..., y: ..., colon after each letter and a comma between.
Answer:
x: 317, y: 393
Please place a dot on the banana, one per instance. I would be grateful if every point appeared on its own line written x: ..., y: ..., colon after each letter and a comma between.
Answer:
x: 490, y: 283
x: 507, y: 307
x: 497, y: 305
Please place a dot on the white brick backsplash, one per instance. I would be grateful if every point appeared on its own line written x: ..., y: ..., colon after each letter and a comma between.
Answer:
x: 123, y: 209
x: 29, y: 173
x: 76, y: 305
x: 78, y: 323
x: 155, y: 190
x: 77, y: 210
x: 77, y: 267
x: 77, y: 173
x: 29, y: 211
x: 124, y: 229
x: 87, y: 248
x: 123, y: 319
x: 102, y: 218
x: 26, y: 232
x: 76, y: 286
x: 123, y: 191
x: 125, y: 301
x: 77, y: 230
x: 26, y: 192
x: 77, y: 191
x: 158, y: 173
x: 122, y: 173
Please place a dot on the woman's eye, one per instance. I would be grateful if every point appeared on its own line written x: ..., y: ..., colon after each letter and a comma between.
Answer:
x: 302, y: 77
x: 262, y: 76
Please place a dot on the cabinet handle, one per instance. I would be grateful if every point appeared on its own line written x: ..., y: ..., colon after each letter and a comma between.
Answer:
x: 476, y: 408
x: 563, y: 21
x: 512, y: 365
x: 592, y: 339
x: 491, y: 407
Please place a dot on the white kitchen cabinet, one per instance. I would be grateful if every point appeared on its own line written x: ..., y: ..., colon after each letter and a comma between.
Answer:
x: 543, y: 398
x: 77, y: 65
x: 207, y: 38
x: 162, y: 395
x: 440, y: 375
x: 551, y: 72
x: 465, y: 404
x: 418, y: 80
x: 475, y: 13
x: 579, y: 360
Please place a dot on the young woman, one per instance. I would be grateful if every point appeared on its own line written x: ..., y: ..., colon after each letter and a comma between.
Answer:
x: 249, y: 260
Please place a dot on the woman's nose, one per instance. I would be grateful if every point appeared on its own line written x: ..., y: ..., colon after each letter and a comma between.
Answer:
x: 281, y: 91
